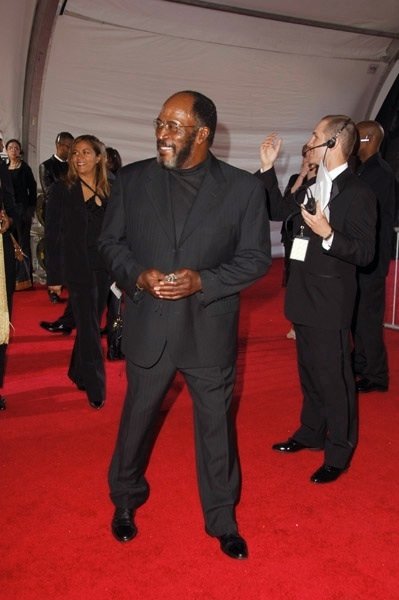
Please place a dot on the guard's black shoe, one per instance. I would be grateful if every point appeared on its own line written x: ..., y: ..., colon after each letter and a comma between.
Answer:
x: 123, y: 527
x: 3, y: 405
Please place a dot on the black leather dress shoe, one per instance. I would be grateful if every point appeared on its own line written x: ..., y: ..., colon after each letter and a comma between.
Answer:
x: 3, y: 405
x: 97, y: 404
x: 326, y: 474
x: 365, y: 385
x: 233, y: 545
x: 123, y: 527
x: 291, y: 446
x: 55, y: 327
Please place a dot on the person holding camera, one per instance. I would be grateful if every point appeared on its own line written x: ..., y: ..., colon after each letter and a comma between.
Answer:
x: 333, y: 232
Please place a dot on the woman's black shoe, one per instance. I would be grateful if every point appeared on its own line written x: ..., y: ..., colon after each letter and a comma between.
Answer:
x: 97, y: 404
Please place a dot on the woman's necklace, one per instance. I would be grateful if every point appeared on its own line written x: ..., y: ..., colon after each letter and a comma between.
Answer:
x: 14, y: 164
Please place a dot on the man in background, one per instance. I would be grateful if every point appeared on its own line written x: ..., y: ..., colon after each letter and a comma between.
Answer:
x: 51, y: 171
x: 370, y: 356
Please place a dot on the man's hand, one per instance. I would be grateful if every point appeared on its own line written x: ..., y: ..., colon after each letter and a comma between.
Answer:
x: 317, y: 222
x: 149, y: 279
x: 269, y: 150
x: 184, y: 283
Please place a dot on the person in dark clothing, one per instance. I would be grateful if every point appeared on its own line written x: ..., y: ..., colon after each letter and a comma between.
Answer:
x: 7, y: 268
x: 51, y: 171
x: 183, y: 234
x: 83, y: 198
x: 55, y: 168
x: 370, y: 359
x: 25, y: 194
x: 334, y: 232
x: 114, y: 161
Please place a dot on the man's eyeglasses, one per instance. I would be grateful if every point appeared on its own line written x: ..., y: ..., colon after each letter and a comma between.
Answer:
x: 170, y: 126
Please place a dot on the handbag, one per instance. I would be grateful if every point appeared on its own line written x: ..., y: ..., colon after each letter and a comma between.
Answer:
x: 114, y: 336
x: 23, y: 279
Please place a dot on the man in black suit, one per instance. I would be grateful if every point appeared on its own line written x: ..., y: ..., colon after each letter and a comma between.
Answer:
x: 183, y: 234
x: 51, y: 171
x: 56, y: 167
x: 370, y: 356
x: 336, y: 236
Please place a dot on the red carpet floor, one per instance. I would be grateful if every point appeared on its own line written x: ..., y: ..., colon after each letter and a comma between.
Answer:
x: 307, y: 542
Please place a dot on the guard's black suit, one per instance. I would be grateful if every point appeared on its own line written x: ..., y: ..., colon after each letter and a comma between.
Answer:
x: 370, y: 356
x: 51, y: 171
x: 319, y: 301
x: 226, y: 239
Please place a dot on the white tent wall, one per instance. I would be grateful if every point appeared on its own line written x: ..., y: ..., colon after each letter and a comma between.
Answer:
x: 263, y: 75
x: 113, y: 63
x: 15, y: 25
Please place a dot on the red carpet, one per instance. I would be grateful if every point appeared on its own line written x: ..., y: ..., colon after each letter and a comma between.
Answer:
x: 334, y: 542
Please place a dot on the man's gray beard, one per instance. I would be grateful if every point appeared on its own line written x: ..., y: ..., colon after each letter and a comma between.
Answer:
x: 176, y: 161
x: 167, y: 163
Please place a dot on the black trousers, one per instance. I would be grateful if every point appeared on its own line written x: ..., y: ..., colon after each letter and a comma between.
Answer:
x: 67, y: 317
x: 329, y: 411
x: 216, y: 455
x: 370, y: 355
x: 88, y: 302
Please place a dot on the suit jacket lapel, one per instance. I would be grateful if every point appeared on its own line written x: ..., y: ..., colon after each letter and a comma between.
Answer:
x: 338, y: 184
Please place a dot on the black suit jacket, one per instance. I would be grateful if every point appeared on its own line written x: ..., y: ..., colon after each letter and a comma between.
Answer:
x: 321, y: 290
x: 225, y: 238
x: 51, y: 171
x: 377, y: 173
x: 70, y: 224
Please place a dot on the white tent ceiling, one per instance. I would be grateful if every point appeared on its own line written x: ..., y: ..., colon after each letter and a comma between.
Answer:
x: 111, y: 63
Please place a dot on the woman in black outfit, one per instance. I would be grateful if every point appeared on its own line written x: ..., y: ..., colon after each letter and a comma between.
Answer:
x: 7, y: 269
x: 83, y: 198
x: 25, y: 193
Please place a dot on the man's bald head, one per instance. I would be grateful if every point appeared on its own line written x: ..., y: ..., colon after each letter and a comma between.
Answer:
x: 371, y: 135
